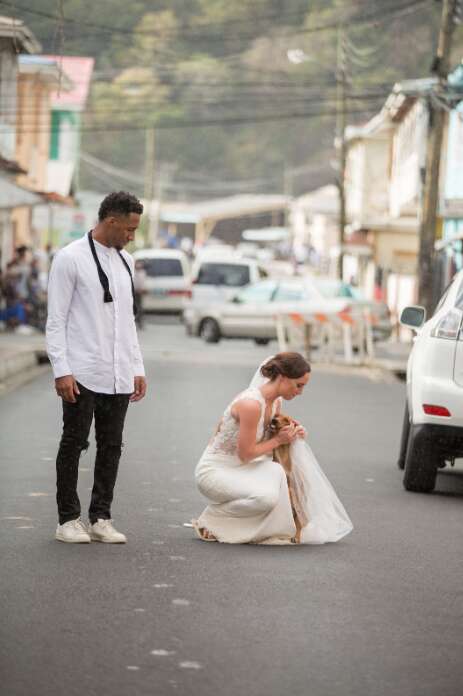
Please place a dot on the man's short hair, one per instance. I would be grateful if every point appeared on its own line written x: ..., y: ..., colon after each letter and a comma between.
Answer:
x: 119, y: 203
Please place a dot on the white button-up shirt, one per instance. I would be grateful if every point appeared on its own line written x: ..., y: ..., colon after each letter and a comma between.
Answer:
x: 94, y: 341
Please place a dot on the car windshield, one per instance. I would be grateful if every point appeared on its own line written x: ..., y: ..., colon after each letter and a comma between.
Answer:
x: 335, y: 288
x: 232, y: 275
x: 289, y: 292
x: 260, y: 292
x: 162, y: 267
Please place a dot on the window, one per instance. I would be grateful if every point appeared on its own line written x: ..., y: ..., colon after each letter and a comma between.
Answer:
x: 228, y: 274
x: 260, y: 292
x: 335, y: 288
x: 288, y: 293
x: 158, y: 268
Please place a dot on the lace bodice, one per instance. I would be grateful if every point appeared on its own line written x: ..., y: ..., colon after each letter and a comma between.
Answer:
x: 225, y: 440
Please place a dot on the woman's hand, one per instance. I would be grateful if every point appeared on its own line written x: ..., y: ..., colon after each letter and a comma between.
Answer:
x: 301, y: 432
x: 286, y: 435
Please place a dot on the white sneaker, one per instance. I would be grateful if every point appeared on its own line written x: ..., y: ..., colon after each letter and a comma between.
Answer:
x: 73, y: 532
x: 104, y: 531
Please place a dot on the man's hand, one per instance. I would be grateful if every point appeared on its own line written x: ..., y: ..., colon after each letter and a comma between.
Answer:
x: 139, y: 389
x: 66, y: 387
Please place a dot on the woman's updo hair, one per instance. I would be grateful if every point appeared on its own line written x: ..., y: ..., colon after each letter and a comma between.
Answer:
x: 291, y: 365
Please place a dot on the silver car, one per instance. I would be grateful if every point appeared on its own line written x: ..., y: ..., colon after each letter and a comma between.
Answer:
x: 251, y: 312
x: 381, y: 324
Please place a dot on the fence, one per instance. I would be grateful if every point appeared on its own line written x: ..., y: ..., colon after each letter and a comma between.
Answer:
x: 345, y: 335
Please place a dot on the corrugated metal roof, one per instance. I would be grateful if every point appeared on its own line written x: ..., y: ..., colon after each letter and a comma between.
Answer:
x: 20, y: 34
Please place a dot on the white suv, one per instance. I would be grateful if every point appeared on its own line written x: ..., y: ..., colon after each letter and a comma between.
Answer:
x: 432, y: 432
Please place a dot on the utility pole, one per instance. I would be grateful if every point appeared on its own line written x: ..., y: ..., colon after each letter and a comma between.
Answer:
x: 341, y: 113
x: 287, y: 189
x: 436, y: 116
x: 150, y: 185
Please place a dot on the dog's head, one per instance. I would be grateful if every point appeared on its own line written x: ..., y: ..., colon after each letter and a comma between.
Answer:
x: 278, y: 422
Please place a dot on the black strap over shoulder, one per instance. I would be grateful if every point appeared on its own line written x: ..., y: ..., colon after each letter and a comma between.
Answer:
x: 107, y: 297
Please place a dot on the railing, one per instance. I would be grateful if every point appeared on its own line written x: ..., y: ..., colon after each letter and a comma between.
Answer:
x: 346, y: 335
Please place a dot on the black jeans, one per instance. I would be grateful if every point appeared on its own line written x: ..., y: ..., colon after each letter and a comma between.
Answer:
x: 109, y: 411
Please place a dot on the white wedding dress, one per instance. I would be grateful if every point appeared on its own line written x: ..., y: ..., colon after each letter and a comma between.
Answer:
x: 250, y: 503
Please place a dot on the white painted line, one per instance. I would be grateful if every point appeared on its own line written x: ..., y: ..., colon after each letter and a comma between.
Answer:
x: 162, y: 653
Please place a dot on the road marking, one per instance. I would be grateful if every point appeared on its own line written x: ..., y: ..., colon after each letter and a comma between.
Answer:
x: 189, y: 664
x: 162, y: 653
x: 369, y: 480
x: 139, y: 609
x: 181, y: 602
x: 133, y: 668
x: 38, y: 494
x: 177, y: 558
x: 19, y: 517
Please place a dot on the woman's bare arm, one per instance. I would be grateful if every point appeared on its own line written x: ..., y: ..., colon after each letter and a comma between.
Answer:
x: 248, y: 412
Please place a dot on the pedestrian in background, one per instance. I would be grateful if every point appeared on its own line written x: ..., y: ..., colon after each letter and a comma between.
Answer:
x: 93, y: 348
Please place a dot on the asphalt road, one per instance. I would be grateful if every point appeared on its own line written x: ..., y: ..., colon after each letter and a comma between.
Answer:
x: 377, y: 614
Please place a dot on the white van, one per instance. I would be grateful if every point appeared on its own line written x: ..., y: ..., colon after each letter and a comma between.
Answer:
x: 218, y: 279
x: 167, y: 282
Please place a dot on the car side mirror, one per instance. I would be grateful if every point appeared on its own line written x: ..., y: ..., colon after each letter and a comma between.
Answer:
x: 236, y: 299
x: 413, y: 317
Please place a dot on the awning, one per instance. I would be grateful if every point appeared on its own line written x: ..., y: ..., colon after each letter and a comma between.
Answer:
x: 14, y: 196
x: 266, y: 234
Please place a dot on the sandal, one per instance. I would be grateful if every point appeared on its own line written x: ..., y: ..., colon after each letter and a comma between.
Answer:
x: 200, y: 531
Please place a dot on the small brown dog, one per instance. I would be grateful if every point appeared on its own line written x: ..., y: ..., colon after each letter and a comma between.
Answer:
x: 281, y: 454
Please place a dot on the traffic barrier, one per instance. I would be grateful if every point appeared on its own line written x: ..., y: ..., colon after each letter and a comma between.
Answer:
x: 299, y: 332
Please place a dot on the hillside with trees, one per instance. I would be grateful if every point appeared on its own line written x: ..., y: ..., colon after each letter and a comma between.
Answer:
x: 236, y: 91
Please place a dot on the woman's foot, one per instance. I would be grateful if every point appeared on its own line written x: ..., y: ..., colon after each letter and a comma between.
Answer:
x: 203, y: 533
x: 206, y: 534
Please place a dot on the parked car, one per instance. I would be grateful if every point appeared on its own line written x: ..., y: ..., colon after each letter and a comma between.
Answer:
x: 250, y: 312
x: 215, y: 279
x: 432, y: 432
x: 379, y: 311
x: 167, y: 283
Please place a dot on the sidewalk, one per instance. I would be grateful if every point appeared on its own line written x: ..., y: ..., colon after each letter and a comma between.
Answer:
x: 392, y: 356
x: 20, y: 355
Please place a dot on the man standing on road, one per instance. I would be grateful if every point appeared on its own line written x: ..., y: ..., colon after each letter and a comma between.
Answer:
x: 93, y: 348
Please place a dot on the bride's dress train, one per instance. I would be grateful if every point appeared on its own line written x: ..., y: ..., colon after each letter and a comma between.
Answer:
x: 250, y: 503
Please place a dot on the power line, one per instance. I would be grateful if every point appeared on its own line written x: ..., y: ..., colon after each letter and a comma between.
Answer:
x: 373, y: 16
x: 28, y: 113
x: 204, y: 123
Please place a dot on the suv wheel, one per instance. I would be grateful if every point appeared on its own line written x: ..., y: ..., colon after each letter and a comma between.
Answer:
x: 404, y: 438
x: 420, y: 465
x: 210, y: 331
x: 261, y: 341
